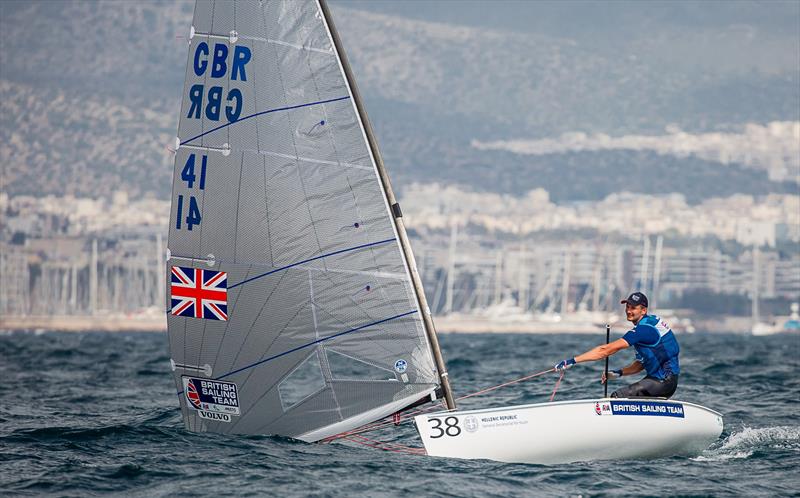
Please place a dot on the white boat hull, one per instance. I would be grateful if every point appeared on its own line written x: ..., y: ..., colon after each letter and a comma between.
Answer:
x: 572, y: 431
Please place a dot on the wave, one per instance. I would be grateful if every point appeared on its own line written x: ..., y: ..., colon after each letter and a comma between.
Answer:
x: 82, y: 434
x: 745, y: 443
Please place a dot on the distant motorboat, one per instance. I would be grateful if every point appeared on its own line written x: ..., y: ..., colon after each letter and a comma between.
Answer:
x: 790, y: 324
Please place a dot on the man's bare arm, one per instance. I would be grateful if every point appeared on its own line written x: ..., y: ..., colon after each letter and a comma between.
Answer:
x: 633, y: 368
x: 603, y: 351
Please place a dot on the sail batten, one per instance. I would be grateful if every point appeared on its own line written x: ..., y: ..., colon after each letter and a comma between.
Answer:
x: 227, y: 36
x: 288, y: 278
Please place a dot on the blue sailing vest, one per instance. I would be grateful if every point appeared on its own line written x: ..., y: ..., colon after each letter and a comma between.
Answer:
x: 656, y: 347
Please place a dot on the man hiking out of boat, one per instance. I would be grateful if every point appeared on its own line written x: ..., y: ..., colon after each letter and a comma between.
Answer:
x: 656, y: 352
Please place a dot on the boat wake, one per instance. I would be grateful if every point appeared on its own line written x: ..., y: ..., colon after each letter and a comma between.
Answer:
x: 746, y: 442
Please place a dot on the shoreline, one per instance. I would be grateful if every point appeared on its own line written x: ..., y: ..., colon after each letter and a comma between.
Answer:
x: 444, y: 325
x: 84, y: 323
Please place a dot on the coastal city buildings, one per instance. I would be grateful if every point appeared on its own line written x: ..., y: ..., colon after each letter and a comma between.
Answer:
x: 68, y: 256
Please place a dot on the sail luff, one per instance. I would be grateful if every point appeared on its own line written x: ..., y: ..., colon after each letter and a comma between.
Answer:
x: 396, y: 217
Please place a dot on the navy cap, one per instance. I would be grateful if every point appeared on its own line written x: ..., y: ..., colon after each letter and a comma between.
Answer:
x: 636, y: 298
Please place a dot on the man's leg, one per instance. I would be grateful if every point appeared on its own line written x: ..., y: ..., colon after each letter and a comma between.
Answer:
x: 648, y: 387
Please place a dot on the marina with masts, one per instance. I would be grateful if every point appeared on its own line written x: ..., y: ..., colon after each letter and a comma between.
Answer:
x: 94, y: 264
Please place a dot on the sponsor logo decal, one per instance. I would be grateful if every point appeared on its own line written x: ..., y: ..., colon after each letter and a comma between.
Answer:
x: 647, y: 408
x: 401, y: 366
x: 471, y: 423
x: 212, y: 397
x: 214, y: 416
x: 603, y: 408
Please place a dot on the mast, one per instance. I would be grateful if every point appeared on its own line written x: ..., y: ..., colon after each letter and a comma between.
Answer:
x: 522, y: 284
x: 645, y: 263
x: 565, y: 284
x: 397, y: 215
x: 93, y: 279
x: 756, y: 271
x: 73, y: 296
x: 451, y: 268
x: 498, y: 282
x: 657, y: 269
x: 596, y: 282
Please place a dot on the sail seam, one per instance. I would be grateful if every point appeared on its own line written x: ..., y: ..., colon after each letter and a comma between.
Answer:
x: 268, y: 111
x: 298, y: 348
x: 311, y: 259
x: 374, y: 155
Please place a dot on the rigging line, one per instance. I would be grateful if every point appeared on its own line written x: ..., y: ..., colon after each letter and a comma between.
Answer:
x: 379, y: 424
x: 340, y: 251
x: 558, y: 383
x: 521, y: 379
x: 288, y: 108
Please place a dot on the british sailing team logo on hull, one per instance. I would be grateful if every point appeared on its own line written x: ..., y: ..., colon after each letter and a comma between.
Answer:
x: 199, y: 293
x: 213, y: 399
x: 633, y: 407
x: 603, y: 408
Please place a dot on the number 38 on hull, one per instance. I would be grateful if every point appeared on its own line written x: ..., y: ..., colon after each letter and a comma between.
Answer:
x: 571, y: 431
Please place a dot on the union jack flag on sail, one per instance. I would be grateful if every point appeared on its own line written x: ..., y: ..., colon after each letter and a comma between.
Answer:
x: 199, y: 293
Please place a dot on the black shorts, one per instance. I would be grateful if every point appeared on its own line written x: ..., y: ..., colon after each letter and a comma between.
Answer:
x: 649, y: 387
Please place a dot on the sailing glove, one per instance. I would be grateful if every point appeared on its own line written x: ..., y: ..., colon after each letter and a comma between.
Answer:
x: 613, y: 374
x: 564, y: 365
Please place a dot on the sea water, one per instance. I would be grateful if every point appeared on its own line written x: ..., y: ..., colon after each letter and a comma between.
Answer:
x: 94, y: 413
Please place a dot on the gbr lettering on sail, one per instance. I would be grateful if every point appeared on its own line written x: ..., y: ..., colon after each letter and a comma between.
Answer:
x: 216, y: 63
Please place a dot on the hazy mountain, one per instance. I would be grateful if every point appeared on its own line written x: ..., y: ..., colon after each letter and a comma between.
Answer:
x: 57, y: 142
x: 530, y: 82
x: 90, y: 90
x: 118, y: 48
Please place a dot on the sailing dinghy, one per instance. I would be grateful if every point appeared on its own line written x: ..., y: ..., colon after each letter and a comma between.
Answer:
x: 295, y: 306
x: 571, y: 431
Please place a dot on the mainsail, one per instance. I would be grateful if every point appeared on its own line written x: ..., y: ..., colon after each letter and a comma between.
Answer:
x: 295, y: 308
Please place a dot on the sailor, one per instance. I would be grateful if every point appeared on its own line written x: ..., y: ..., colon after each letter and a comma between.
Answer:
x: 656, y: 352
